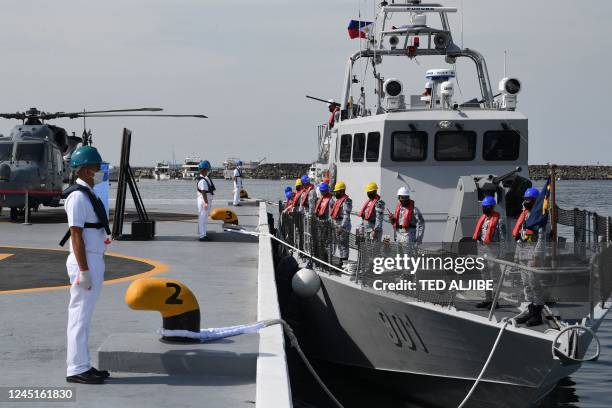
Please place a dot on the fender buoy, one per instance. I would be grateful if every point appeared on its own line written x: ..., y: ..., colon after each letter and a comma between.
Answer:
x: 224, y: 214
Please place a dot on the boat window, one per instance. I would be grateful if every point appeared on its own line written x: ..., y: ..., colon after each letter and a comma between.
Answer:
x: 409, y: 146
x: 6, y: 151
x: 359, y: 144
x: 29, y: 152
x: 373, y: 147
x: 500, y: 145
x: 455, y: 146
x: 345, y: 148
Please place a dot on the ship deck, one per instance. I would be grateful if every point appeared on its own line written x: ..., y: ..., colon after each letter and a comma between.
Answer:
x: 225, y: 274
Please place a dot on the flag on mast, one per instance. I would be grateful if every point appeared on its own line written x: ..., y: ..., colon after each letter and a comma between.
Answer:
x: 359, y: 29
x: 539, y: 215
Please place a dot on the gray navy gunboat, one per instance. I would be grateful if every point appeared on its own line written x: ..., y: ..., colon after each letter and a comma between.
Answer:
x: 431, y: 346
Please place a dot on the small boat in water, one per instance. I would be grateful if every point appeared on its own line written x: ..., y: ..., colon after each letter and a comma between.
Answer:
x: 189, y: 169
x: 434, y: 346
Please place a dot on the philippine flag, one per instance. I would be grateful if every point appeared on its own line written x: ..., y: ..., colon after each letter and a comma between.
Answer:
x: 359, y: 29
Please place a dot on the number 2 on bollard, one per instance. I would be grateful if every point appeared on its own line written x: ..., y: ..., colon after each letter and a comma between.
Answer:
x: 173, y: 299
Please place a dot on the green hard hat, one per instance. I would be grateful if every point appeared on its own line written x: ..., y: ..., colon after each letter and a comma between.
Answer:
x: 85, y: 156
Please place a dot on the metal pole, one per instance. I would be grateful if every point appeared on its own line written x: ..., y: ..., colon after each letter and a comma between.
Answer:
x: 27, y: 208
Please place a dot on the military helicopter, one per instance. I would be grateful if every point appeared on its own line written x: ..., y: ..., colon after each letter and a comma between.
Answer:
x: 35, y: 157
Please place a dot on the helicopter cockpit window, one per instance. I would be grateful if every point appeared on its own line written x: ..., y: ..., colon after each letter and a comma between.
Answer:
x: 6, y: 151
x: 501, y: 145
x: 29, y: 152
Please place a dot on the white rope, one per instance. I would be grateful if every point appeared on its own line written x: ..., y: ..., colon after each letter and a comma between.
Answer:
x: 484, y: 368
x: 243, y: 231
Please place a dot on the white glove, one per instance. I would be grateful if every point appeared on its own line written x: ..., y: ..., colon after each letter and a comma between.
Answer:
x: 84, y: 280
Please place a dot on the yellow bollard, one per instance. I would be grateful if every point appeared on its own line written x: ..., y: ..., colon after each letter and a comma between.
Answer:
x: 243, y: 194
x: 224, y: 214
x: 173, y: 299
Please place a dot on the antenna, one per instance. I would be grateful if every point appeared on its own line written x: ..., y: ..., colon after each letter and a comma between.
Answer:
x: 461, y: 23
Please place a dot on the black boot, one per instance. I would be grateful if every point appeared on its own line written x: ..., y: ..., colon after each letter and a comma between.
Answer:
x: 524, y: 317
x: 88, y: 377
x: 536, y: 317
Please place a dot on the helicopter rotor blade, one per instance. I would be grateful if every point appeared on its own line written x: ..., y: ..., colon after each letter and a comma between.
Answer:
x: 17, y: 115
x: 73, y: 115
x: 147, y: 116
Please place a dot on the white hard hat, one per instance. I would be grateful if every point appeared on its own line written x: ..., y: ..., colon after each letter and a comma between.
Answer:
x: 403, y: 191
x: 428, y: 85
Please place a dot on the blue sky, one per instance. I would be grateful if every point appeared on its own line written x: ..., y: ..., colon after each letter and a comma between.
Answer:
x: 248, y: 65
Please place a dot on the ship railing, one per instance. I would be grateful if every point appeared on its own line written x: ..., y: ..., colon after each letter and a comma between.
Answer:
x: 579, y: 273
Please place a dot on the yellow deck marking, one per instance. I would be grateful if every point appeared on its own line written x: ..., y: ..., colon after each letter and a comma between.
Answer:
x: 158, y: 268
x: 4, y: 256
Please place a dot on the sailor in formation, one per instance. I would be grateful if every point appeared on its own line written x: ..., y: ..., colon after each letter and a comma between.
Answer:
x: 324, y: 203
x: 206, y: 190
x: 237, y: 177
x: 371, y: 214
x: 88, y: 229
x: 306, y: 199
x: 530, y: 251
x: 490, y: 233
x: 341, y: 217
x: 408, y: 222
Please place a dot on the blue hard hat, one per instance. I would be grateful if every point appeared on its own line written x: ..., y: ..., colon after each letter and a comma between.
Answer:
x: 239, y: 163
x: 288, y: 194
x: 531, y: 193
x: 305, y: 179
x: 85, y: 156
x: 488, y: 200
x: 204, y: 164
x: 323, y: 187
x: 288, y: 189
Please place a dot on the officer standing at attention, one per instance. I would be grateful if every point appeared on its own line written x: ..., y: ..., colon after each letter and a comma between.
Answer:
x: 408, y: 222
x: 324, y: 203
x: 308, y: 196
x: 88, y: 229
x: 490, y: 233
x: 530, y: 251
x: 237, y: 182
x: 206, y: 189
x: 372, y: 213
x: 341, y: 216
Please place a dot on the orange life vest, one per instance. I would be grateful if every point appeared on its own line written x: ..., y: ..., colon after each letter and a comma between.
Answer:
x: 296, y: 198
x: 304, y: 195
x: 338, y: 206
x: 322, y: 204
x: 490, y: 230
x: 516, y: 231
x: 407, y: 215
x: 368, y: 208
x: 331, y: 120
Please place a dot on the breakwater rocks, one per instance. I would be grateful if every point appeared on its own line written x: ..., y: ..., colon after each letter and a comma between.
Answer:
x: 280, y: 171
x: 539, y: 172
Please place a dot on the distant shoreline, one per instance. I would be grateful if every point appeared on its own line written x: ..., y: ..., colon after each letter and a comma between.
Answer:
x: 290, y: 171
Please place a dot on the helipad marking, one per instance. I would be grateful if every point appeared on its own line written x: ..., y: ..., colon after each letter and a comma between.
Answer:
x: 158, y: 268
x: 4, y: 256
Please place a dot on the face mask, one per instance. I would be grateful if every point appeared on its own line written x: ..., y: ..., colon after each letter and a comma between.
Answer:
x: 338, y: 194
x: 404, y: 201
x: 98, y: 177
x: 487, y: 210
x: 528, y: 204
x: 371, y: 195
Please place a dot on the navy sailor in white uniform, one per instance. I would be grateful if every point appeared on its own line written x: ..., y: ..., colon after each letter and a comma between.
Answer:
x: 88, y: 229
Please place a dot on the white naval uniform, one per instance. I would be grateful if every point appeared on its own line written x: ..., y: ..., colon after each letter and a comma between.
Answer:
x: 237, y: 185
x: 82, y: 301
x: 202, y: 212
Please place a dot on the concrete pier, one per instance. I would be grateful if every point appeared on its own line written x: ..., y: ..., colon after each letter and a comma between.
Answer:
x: 233, y: 280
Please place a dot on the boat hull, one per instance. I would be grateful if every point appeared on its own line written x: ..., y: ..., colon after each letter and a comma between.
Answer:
x: 411, y: 348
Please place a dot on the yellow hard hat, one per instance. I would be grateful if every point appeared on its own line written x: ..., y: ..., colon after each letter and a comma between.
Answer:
x: 372, y: 186
x: 340, y: 186
x: 298, y: 182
